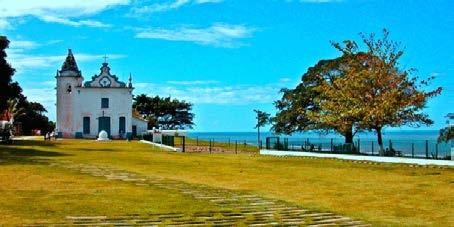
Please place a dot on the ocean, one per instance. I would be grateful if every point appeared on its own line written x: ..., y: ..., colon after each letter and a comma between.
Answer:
x: 418, y: 143
x: 407, y: 135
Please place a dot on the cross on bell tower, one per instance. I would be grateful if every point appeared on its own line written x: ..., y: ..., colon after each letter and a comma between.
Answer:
x: 105, y: 58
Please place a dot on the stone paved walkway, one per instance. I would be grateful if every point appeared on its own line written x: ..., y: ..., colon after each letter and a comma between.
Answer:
x: 236, y: 208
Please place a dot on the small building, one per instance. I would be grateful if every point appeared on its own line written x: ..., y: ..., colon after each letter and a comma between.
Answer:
x: 103, y: 103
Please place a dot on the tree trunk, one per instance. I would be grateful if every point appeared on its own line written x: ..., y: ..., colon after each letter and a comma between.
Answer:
x: 348, y: 137
x: 258, y: 137
x: 380, y: 141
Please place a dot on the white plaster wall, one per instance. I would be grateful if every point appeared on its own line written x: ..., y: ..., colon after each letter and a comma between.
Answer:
x: 142, y: 126
x: 88, y: 104
x: 65, y: 103
x: 174, y: 132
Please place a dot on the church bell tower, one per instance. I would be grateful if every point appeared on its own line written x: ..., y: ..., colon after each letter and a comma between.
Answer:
x: 69, y: 79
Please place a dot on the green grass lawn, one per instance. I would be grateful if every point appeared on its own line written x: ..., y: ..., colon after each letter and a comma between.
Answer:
x: 385, y: 194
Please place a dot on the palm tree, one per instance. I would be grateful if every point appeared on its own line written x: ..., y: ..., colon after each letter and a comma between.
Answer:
x: 13, y: 111
x: 263, y: 119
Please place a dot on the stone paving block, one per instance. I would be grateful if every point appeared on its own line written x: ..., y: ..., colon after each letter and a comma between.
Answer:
x: 322, y: 225
x: 241, y: 208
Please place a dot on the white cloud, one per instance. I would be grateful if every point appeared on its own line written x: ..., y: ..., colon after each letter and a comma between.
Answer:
x: 203, y: 92
x: 436, y: 74
x: 65, y: 21
x: 22, y: 44
x: 22, y: 62
x: 166, y: 6
x: 199, y: 92
x: 222, y: 35
x: 158, y: 7
x: 44, y: 95
x: 57, y: 11
x: 192, y: 82
x: 208, y: 1
x: 4, y: 24
x: 51, y: 7
x: 314, y: 1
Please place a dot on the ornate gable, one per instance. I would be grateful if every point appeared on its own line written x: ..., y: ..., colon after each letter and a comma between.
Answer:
x: 105, y: 79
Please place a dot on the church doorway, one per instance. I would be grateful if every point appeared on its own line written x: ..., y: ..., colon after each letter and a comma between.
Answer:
x: 104, y: 124
x: 134, y: 131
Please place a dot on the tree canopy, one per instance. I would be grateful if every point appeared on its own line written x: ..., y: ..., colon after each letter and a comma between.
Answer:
x: 378, y: 91
x: 304, y: 108
x: 361, y: 90
x: 14, y: 106
x: 32, y: 116
x: 164, y: 112
x: 263, y: 118
x: 8, y: 88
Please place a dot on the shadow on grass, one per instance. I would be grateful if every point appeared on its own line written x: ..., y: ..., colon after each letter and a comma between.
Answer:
x: 32, y: 143
x: 97, y: 149
x: 16, y: 154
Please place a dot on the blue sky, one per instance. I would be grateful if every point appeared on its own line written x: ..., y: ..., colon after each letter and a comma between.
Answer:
x: 227, y: 57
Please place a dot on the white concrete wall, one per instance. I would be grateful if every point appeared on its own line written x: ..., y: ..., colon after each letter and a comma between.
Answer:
x: 142, y: 125
x: 88, y: 104
x: 360, y: 157
x: 65, y: 103
x: 174, y: 132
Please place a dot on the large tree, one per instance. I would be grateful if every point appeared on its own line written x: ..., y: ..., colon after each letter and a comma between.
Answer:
x: 447, y: 134
x: 13, y: 105
x: 164, y: 112
x: 304, y: 108
x: 31, y: 115
x: 8, y: 88
x: 361, y: 90
x: 378, y: 90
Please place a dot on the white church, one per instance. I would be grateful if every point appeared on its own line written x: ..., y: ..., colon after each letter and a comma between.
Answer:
x: 86, y: 108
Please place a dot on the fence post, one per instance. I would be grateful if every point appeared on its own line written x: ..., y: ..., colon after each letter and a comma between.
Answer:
x: 286, y: 144
x: 412, y: 150
x: 372, y: 143
x: 436, y: 151
x: 267, y: 142
x: 427, y: 148
x: 278, y: 143
x: 390, y: 145
x: 184, y: 144
x: 244, y: 145
x: 359, y: 146
x: 229, y: 142
x: 236, y: 146
x: 331, y: 149
x: 197, y: 141
x: 210, y: 146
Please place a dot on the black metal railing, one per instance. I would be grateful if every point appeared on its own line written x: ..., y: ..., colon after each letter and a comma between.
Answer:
x: 429, y: 149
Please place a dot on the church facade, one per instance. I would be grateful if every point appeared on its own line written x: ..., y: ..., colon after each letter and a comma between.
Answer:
x: 103, y: 103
